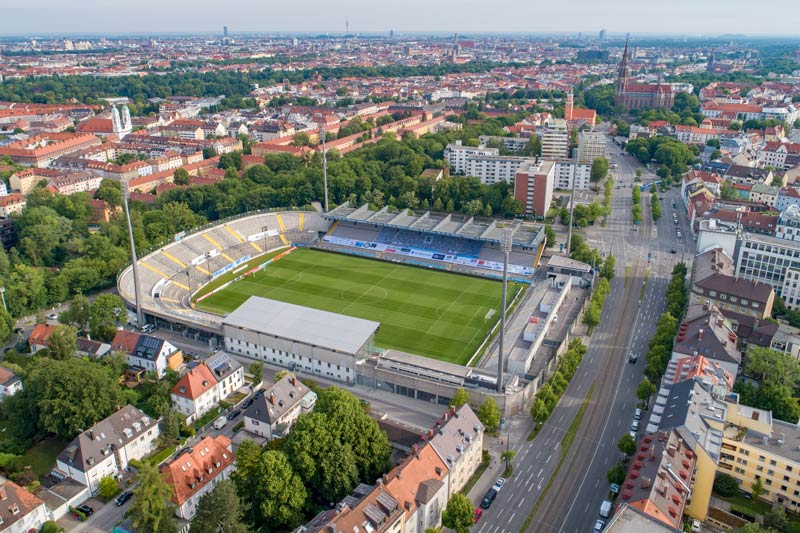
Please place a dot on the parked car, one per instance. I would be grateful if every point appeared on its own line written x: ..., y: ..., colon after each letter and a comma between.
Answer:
x: 635, y: 426
x: 234, y: 414
x: 478, y: 515
x: 488, y: 499
x: 598, y: 526
x: 637, y: 414
x: 52, y: 316
x: 122, y: 498
x: 220, y: 422
x: 248, y: 403
x: 499, y: 484
x: 85, y: 509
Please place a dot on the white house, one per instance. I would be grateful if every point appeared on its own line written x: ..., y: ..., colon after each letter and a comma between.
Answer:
x: 196, y: 393
x: 20, y: 511
x: 106, y: 448
x: 273, y: 414
x: 10, y: 384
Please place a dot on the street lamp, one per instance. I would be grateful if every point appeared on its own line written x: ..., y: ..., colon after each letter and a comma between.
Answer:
x: 137, y: 290
x: 264, y: 230
x: 189, y: 282
x: 506, y: 242
x: 324, y: 166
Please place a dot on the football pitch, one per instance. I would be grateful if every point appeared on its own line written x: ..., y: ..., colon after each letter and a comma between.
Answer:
x: 426, y: 312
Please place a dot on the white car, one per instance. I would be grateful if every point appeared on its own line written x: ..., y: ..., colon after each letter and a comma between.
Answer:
x: 598, y: 526
x: 499, y: 484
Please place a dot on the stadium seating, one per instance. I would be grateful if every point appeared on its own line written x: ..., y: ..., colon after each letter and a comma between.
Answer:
x: 426, y: 241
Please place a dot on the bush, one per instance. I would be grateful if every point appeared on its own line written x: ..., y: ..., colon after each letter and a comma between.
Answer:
x: 725, y: 485
x: 187, y: 431
x: 51, y: 527
x: 238, y: 427
x: 108, y: 488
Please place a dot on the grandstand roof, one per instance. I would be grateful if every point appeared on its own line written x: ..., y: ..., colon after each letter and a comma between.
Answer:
x: 303, y: 324
x: 487, y: 230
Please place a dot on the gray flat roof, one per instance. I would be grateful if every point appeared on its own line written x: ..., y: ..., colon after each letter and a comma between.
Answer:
x: 342, y: 333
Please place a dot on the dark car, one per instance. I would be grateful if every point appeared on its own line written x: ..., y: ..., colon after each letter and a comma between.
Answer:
x: 488, y: 499
x: 122, y: 498
x: 85, y: 509
x: 234, y: 414
x: 248, y: 403
x: 259, y: 393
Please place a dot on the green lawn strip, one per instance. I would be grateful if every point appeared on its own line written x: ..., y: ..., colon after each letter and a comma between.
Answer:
x: 566, y: 444
x: 644, y: 285
x: 226, y: 277
x: 42, y: 456
x: 207, y: 418
x: 161, y: 455
x: 433, y: 313
x: 627, y: 274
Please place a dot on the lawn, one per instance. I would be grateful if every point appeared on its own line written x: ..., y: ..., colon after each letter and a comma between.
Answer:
x: 426, y: 312
x: 244, y: 267
x: 41, y: 457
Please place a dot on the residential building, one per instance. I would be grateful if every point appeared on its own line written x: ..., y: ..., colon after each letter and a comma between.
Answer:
x: 41, y: 150
x: 228, y: 372
x: 713, y: 283
x: 370, y: 509
x: 577, y: 117
x: 567, y: 171
x: 298, y: 338
x: 512, y: 144
x: 151, y: 353
x: 20, y: 510
x: 12, y: 203
x: 533, y: 186
x: 591, y: 146
x: 106, y: 448
x: 766, y: 259
x: 39, y: 336
x: 764, y: 194
x: 774, y: 154
x: 698, y: 367
x: 705, y: 332
x: 196, y: 393
x: 10, y: 383
x: 420, y: 486
x: 88, y: 348
x: 628, y: 519
x: 788, y: 196
x: 273, y: 414
x: 659, y: 482
x: 457, y: 155
x: 458, y: 441
x: 555, y: 139
x: 196, y: 471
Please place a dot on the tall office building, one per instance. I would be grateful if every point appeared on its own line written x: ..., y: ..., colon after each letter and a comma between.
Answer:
x: 225, y: 31
x: 533, y: 186
x: 602, y: 35
x: 555, y: 139
x: 591, y: 145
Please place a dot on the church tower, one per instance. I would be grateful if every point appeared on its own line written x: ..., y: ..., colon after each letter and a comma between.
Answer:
x: 568, y: 106
x: 622, y: 76
x: 116, y: 123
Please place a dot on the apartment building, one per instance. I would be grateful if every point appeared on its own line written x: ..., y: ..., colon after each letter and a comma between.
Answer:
x: 533, y: 186
x: 512, y: 144
x: 591, y: 146
x: 704, y: 331
x: 21, y: 511
x: 41, y: 150
x: 555, y: 139
x: 459, y: 443
x: 457, y: 155
x: 106, y: 448
x: 565, y: 172
x: 196, y: 471
x: 484, y: 163
x: 273, y: 414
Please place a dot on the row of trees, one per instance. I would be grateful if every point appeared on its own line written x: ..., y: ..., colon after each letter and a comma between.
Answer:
x: 655, y: 207
x: 592, y: 315
x: 636, y: 210
x: 548, y: 395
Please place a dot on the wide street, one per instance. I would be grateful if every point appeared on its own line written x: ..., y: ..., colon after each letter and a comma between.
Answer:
x: 579, y: 486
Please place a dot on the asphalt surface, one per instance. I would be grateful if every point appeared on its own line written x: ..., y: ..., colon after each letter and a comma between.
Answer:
x: 573, y: 499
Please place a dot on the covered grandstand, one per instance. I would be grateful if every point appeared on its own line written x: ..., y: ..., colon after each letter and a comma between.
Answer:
x: 450, y: 241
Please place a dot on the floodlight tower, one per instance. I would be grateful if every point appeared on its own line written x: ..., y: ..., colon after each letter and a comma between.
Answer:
x: 324, y: 166
x: 506, y: 243
x: 136, y: 287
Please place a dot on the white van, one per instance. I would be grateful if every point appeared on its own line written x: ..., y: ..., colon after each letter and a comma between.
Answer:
x: 605, y: 509
x: 220, y: 422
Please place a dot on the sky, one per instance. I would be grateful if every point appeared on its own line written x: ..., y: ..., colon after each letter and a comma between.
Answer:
x: 705, y: 17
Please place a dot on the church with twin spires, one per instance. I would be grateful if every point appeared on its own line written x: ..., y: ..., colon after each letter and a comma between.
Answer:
x: 630, y: 95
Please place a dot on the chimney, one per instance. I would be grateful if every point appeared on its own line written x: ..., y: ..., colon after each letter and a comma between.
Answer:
x: 452, y: 409
x: 3, y: 494
x: 700, y: 334
x: 430, y: 433
x: 272, y: 397
x: 415, y: 450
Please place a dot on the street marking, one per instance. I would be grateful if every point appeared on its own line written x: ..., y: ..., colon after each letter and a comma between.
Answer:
x: 529, y: 480
x: 548, y: 458
x: 540, y: 473
x: 511, y: 518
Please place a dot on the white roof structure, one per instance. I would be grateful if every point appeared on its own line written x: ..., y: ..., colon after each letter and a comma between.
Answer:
x: 333, y: 331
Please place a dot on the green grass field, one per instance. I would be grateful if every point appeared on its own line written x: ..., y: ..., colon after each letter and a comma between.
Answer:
x: 426, y: 312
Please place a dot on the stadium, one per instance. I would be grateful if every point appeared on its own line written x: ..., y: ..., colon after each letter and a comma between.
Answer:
x: 343, y: 294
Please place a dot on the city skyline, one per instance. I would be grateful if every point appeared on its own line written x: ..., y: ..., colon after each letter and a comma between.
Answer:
x: 709, y: 18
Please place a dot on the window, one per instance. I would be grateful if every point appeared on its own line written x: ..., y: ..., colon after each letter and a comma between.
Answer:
x: 772, y: 462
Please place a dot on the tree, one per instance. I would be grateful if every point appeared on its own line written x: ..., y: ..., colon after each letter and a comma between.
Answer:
x: 274, y: 492
x: 539, y: 410
x: 301, y: 138
x: 627, y: 444
x: 592, y: 315
x: 550, y: 235
x: 181, y: 177
x: 107, y: 311
x: 725, y: 485
x: 757, y: 488
x: 220, y: 511
x: 776, y: 519
x: 152, y: 510
x: 62, y: 342
x: 607, y: 271
x: 508, y: 456
x: 459, y: 513
x: 108, y: 488
x: 617, y: 473
x: 489, y: 414
x: 459, y: 398
x: 599, y: 169
x: 645, y: 390
x: 279, y: 375
x: 65, y: 397
x: 256, y: 369
x: 755, y: 527
x: 726, y: 191
x: 170, y: 425
x: 78, y: 314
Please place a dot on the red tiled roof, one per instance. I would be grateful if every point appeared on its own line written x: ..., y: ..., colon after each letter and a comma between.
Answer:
x: 190, y: 472
x: 195, y: 382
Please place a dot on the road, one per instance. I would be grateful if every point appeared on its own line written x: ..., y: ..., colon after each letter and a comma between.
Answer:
x: 627, y: 324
